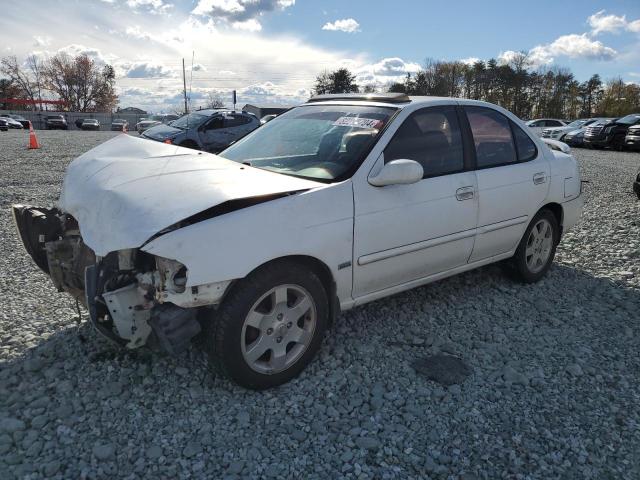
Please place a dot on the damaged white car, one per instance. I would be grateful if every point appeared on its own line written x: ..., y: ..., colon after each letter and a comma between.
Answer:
x: 338, y: 202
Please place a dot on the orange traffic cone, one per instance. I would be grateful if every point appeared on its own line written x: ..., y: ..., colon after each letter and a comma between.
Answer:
x: 33, y: 141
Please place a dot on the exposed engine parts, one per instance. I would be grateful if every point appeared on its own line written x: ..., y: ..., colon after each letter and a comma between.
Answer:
x: 132, y: 297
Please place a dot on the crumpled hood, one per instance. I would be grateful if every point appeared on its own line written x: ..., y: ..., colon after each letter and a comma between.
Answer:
x: 128, y: 189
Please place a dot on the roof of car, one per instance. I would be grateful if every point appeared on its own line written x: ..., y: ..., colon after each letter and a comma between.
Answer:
x: 398, y: 100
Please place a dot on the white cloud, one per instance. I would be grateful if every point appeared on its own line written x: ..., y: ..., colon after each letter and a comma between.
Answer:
x: 469, y: 60
x: 634, y: 26
x: 251, y: 25
x: 41, y: 41
x: 383, y: 72
x: 602, y: 23
x: 348, y: 25
x: 153, y: 6
x: 93, y: 53
x: 145, y: 70
x: 571, y: 46
x: 240, y: 14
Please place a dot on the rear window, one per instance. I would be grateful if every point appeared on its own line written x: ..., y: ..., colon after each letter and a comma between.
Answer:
x: 491, y: 136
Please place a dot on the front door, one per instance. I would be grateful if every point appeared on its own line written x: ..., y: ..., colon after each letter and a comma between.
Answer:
x: 513, y: 181
x: 407, y: 232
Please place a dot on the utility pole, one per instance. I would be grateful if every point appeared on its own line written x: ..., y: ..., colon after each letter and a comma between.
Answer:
x: 184, y: 81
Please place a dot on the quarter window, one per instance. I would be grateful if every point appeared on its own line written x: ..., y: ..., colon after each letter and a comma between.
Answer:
x: 431, y: 137
x: 526, y: 148
x: 491, y: 136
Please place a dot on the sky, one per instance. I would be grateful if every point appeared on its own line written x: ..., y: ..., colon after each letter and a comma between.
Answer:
x: 271, y: 51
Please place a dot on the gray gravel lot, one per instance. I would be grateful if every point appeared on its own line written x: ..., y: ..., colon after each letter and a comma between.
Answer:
x: 554, y: 390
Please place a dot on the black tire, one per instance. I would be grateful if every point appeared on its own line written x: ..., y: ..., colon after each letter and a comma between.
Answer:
x: 223, y: 332
x: 189, y: 144
x: 519, y: 264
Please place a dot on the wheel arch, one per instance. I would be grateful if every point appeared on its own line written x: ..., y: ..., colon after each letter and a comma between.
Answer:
x: 557, y: 211
x: 318, y: 267
x: 323, y: 272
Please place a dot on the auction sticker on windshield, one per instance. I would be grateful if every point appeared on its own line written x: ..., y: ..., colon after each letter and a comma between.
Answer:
x: 358, y: 122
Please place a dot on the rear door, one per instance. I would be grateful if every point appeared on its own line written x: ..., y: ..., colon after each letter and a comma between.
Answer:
x: 209, y: 134
x: 513, y: 180
x: 236, y: 126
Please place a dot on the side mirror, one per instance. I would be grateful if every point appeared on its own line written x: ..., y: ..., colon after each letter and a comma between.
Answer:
x: 398, y: 172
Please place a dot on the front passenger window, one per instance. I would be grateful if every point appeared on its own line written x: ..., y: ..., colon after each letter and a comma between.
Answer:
x: 432, y: 138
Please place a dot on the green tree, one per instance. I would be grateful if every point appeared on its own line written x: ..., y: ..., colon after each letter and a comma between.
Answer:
x: 338, y: 81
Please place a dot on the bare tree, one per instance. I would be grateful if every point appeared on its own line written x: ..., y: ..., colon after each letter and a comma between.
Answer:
x: 80, y: 83
x: 213, y: 101
x: 20, y: 77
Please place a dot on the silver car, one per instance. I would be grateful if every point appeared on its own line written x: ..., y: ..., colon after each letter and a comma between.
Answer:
x: 209, y: 130
x: 153, y: 120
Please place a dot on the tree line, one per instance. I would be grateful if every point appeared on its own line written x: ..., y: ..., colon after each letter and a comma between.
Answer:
x: 514, y: 85
x: 78, y: 81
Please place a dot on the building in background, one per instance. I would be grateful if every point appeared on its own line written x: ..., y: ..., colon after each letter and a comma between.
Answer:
x: 133, y: 110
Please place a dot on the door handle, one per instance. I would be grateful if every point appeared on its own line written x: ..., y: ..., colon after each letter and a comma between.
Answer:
x: 539, y: 178
x: 464, y: 193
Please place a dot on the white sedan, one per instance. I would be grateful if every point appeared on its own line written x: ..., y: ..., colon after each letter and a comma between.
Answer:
x: 335, y: 203
x: 540, y: 124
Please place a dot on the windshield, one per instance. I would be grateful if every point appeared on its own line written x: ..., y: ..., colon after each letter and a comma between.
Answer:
x: 578, y: 123
x: 629, y: 119
x: 320, y: 142
x: 189, y: 121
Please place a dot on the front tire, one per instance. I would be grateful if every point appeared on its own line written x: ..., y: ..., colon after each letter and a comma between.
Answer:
x: 536, y: 250
x: 270, y: 326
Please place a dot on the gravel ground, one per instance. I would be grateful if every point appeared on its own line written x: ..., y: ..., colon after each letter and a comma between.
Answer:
x: 554, y: 388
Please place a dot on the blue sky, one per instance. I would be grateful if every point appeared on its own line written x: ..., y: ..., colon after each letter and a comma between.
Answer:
x: 271, y: 50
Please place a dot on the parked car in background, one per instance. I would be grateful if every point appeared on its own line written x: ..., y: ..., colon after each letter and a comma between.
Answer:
x: 540, y: 124
x: 575, y: 138
x: 90, y: 124
x: 611, y: 134
x: 21, y: 119
x: 338, y: 202
x: 11, y: 123
x: 119, y: 124
x: 211, y: 130
x: 268, y: 118
x: 78, y: 122
x: 154, y: 120
x: 558, y: 133
x: 4, y: 125
x: 53, y: 122
x: 632, y: 139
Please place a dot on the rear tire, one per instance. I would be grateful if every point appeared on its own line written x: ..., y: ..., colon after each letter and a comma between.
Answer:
x: 536, y: 250
x: 270, y: 325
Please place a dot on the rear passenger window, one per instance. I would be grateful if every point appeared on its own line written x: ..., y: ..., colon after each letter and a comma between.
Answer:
x: 235, y: 120
x: 524, y: 145
x: 432, y: 138
x: 491, y: 136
